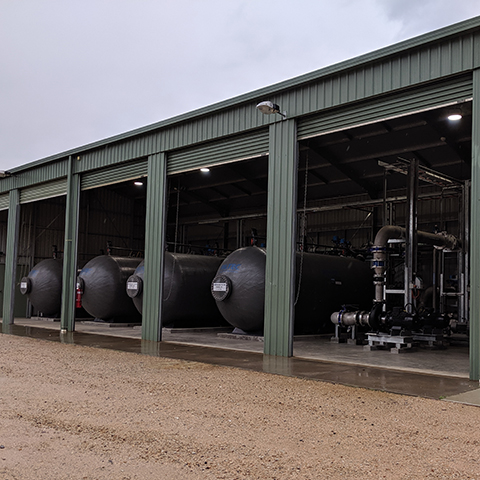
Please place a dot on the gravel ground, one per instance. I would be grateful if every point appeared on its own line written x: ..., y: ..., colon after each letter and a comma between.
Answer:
x: 73, y: 412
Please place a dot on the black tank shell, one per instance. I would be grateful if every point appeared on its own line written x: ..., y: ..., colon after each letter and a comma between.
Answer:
x: 104, y: 295
x: 242, y: 274
x: 186, y: 292
x: 43, y: 286
x: 326, y: 283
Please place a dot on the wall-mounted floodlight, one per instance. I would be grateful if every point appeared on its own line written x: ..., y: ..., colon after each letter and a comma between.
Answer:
x: 455, y: 114
x: 268, y: 108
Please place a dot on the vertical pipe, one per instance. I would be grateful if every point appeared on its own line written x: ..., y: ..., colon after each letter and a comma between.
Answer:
x: 154, y: 247
x: 475, y: 234
x: 240, y: 233
x: 435, y: 280
x: 461, y: 257
x: 411, y: 237
x: 132, y: 224
x: 69, y: 278
x: 13, y: 229
x: 442, y: 282
x: 281, y: 228
x: 466, y: 251
x: 226, y: 235
x: 86, y: 247
x: 385, y: 184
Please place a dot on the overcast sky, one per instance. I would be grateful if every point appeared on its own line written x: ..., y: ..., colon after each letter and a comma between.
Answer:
x: 77, y: 71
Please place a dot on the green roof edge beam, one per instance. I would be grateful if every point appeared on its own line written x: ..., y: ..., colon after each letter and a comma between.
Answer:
x: 154, y: 247
x: 281, y: 228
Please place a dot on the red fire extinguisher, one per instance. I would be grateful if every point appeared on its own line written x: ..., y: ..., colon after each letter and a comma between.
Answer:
x: 78, y: 295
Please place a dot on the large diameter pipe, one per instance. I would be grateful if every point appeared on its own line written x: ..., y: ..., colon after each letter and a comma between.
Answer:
x: 379, y: 250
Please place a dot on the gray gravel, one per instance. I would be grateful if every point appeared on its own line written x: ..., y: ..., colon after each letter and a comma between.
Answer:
x: 72, y: 412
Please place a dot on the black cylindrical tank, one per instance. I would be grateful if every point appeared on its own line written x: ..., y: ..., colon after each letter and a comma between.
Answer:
x: 43, y: 286
x: 186, y: 292
x: 326, y: 282
x: 103, y: 281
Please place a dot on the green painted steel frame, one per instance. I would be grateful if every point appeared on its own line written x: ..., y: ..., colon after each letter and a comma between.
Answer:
x: 154, y: 248
x: 475, y: 235
x: 13, y: 229
x: 281, y: 224
x: 69, y: 279
x: 402, y: 70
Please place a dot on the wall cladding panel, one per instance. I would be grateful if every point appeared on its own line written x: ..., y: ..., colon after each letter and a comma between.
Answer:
x: 47, y: 172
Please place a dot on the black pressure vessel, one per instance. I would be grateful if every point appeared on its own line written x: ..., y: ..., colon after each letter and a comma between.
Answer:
x: 103, y: 281
x: 323, y: 284
x: 43, y: 286
x: 186, y: 291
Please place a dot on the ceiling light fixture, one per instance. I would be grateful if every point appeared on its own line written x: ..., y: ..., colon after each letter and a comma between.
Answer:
x: 455, y: 114
x: 205, y: 170
x: 138, y: 183
x: 267, y: 108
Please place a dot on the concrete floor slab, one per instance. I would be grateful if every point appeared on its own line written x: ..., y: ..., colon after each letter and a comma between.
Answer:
x: 432, y: 374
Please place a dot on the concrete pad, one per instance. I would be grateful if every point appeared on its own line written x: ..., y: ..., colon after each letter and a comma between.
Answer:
x: 469, y: 398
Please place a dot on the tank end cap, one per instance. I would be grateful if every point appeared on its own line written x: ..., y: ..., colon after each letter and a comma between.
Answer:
x: 221, y: 288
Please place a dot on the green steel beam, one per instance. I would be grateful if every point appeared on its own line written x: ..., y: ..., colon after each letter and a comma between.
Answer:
x: 475, y: 235
x: 13, y: 228
x: 281, y: 224
x: 154, y: 248
x: 69, y: 279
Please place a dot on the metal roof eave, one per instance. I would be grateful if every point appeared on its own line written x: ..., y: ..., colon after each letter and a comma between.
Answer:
x: 421, y: 40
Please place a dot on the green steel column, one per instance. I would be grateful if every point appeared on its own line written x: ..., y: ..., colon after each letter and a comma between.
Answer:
x: 69, y: 280
x: 281, y: 224
x: 13, y: 229
x: 154, y: 248
x: 475, y: 235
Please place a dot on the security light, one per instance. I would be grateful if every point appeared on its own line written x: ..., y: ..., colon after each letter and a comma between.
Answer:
x: 267, y: 108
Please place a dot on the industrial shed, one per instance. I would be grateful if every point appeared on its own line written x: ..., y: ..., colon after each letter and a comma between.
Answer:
x: 345, y: 151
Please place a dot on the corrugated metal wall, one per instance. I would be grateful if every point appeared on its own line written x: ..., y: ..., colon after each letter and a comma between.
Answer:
x: 224, y: 151
x: 384, y: 75
x: 453, y: 90
x: 36, y: 175
x: 106, y: 217
x: 118, y: 173
x: 55, y: 188
x: 4, y: 201
x: 3, y: 233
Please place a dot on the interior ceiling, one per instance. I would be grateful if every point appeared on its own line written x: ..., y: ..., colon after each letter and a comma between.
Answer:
x: 344, y: 163
x: 347, y: 162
